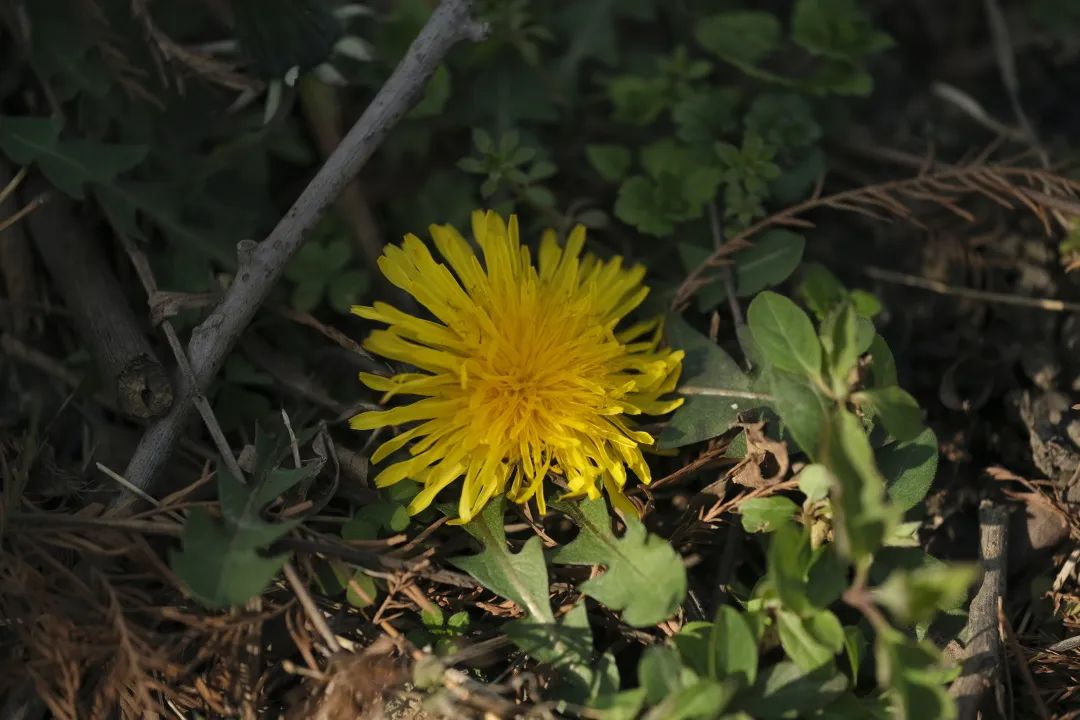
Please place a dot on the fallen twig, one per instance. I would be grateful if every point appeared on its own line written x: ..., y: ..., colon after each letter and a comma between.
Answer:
x: 982, y: 656
x: 108, y: 326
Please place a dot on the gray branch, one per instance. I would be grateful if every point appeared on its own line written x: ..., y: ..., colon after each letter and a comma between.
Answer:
x: 110, y: 329
x: 214, y: 338
x: 982, y: 656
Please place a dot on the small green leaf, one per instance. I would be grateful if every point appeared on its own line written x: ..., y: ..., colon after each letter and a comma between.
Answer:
x: 837, y: 29
x: 724, y: 648
x: 705, y: 116
x: 645, y: 578
x: 801, y: 406
x: 810, y: 642
x: 307, y: 295
x: 909, y: 468
x: 67, y: 164
x: 827, y: 578
x: 346, y: 289
x: 866, y: 304
x: 765, y: 514
x: 845, y: 337
x: 520, y: 577
x: 217, y: 572
x: 784, y: 334
x: 861, y: 518
x: 611, y: 161
x: 769, y: 261
x: 739, y: 36
x: 882, y: 364
x: 814, y: 482
x: 659, y: 672
x: 918, y: 595
x: 787, y: 691
x: 221, y: 562
x: 897, y: 410
x: 855, y: 648
x: 361, y: 591
x: 695, y: 701
x: 819, y: 289
x: 788, y: 560
x: 916, y: 676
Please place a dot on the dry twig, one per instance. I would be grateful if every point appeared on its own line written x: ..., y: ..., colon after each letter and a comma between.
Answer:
x: 982, y: 657
x: 945, y: 187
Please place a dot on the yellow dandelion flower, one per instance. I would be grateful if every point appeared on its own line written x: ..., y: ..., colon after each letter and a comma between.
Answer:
x: 522, y: 372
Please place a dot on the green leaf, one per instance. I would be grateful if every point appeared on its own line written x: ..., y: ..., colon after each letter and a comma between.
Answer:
x: 788, y: 560
x: 918, y: 595
x: 724, y: 648
x: 659, y: 672
x: 810, y: 642
x: 897, y: 410
x: 361, y: 591
x: 845, y: 337
x: 866, y: 304
x: 855, y: 647
x: 861, y: 518
x: 784, y: 334
x: 637, y: 100
x: 827, y: 578
x: 700, y: 700
x: 909, y: 468
x: 714, y: 386
x: 307, y: 295
x: 637, y: 205
x: 915, y: 675
x: 706, y: 115
x: 346, y: 289
x: 769, y: 261
x: 814, y: 482
x: 819, y: 289
x: 801, y: 406
x: 221, y: 563
x: 783, y: 119
x: 645, y: 578
x: 740, y: 36
x: 836, y: 29
x: 787, y: 691
x: 220, y: 579
x: 625, y: 705
x: 882, y: 364
x: 520, y: 577
x: 765, y: 514
x: 67, y: 164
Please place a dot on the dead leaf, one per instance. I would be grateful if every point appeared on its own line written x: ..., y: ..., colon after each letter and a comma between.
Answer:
x: 766, y: 460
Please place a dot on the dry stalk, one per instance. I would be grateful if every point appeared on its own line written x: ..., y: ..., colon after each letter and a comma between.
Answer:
x: 1037, y: 190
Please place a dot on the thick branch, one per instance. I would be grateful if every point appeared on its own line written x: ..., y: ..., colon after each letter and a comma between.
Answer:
x: 982, y: 656
x: 105, y: 321
x: 215, y: 337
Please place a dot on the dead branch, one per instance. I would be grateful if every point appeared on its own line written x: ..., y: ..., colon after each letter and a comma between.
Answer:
x: 982, y: 656
x: 128, y: 366
x: 215, y: 337
x: 16, y: 260
x: 1035, y: 189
